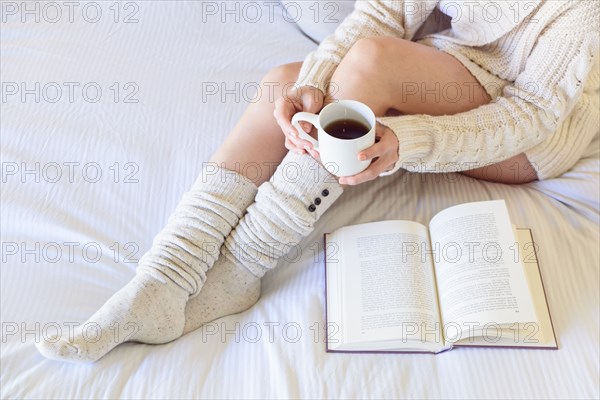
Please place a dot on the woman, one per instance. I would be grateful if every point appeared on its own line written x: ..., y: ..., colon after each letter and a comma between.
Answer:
x: 508, y: 93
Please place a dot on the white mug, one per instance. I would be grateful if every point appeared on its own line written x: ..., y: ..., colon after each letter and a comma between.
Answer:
x: 339, y: 156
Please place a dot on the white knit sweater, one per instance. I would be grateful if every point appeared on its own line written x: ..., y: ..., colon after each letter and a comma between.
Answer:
x: 545, y: 53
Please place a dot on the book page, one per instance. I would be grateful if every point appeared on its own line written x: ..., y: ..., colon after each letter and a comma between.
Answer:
x: 481, y: 282
x: 388, y: 291
x: 529, y: 335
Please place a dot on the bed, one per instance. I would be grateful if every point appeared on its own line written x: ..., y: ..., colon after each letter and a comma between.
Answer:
x: 106, y: 120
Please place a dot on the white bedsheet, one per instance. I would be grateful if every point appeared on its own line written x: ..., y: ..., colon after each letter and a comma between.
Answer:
x: 168, y: 61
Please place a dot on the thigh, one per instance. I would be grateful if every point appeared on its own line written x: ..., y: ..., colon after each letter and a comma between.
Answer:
x: 397, y: 75
x: 432, y: 82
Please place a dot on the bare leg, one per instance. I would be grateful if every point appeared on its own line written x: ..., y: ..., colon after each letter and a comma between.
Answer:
x: 384, y: 73
x: 256, y: 142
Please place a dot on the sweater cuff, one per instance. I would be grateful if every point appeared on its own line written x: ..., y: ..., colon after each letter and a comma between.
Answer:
x: 415, y: 142
x: 316, y: 73
x: 566, y: 146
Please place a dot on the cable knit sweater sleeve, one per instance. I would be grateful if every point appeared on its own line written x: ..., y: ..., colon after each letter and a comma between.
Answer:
x: 369, y: 19
x: 528, y: 112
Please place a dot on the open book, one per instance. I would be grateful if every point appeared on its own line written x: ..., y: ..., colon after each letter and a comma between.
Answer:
x: 469, y: 279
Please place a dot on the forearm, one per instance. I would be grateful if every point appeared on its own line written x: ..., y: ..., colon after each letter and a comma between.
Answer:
x: 468, y: 140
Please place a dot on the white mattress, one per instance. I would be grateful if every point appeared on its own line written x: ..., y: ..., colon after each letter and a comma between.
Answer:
x: 166, y: 136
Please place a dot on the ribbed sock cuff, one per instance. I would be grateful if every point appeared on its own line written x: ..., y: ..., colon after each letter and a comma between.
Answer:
x: 234, y: 190
x: 305, y: 183
x: 284, y: 212
x: 190, y: 242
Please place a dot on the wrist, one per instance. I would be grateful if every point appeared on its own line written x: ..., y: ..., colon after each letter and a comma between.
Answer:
x: 415, y: 142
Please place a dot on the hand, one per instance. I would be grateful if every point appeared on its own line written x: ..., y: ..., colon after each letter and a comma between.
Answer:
x: 306, y: 98
x: 384, y: 154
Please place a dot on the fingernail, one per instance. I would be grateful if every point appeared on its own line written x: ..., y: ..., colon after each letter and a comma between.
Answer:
x: 362, y: 157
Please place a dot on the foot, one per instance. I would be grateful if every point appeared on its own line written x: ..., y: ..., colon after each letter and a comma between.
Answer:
x: 146, y: 310
x: 229, y: 289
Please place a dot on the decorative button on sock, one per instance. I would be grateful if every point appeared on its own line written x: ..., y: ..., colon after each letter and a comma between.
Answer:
x: 150, y: 308
x: 284, y: 211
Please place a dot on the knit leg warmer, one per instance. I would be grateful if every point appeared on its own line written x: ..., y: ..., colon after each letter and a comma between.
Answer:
x: 150, y: 308
x: 283, y: 213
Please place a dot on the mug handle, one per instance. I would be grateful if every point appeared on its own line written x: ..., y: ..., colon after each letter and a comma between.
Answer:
x: 312, y: 119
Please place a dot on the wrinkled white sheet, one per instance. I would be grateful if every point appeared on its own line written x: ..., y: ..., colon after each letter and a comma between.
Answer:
x: 110, y: 172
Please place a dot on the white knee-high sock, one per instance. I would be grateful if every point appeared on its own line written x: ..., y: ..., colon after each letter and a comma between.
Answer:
x: 283, y: 213
x: 150, y: 308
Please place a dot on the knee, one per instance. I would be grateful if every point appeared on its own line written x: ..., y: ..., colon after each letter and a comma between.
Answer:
x: 283, y: 74
x: 373, y: 47
x: 366, y: 57
x: 365, y: 69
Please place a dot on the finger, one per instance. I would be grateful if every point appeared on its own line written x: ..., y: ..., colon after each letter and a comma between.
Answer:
x: 296, y: 141
x: 380, y: 128
x: 299, y: 141
x: 292, y: 147
x: 300, y: 148
x: 369, y: 174
x: 289, y: 145
x: 283, y: 116
x: 376, y: 150
x: 312, y: 105
x: 284, y: 111
x: 306, y: 126
x: 314, y: 154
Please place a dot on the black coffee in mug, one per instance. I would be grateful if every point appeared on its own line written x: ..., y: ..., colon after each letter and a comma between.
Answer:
x: 347, y: 129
